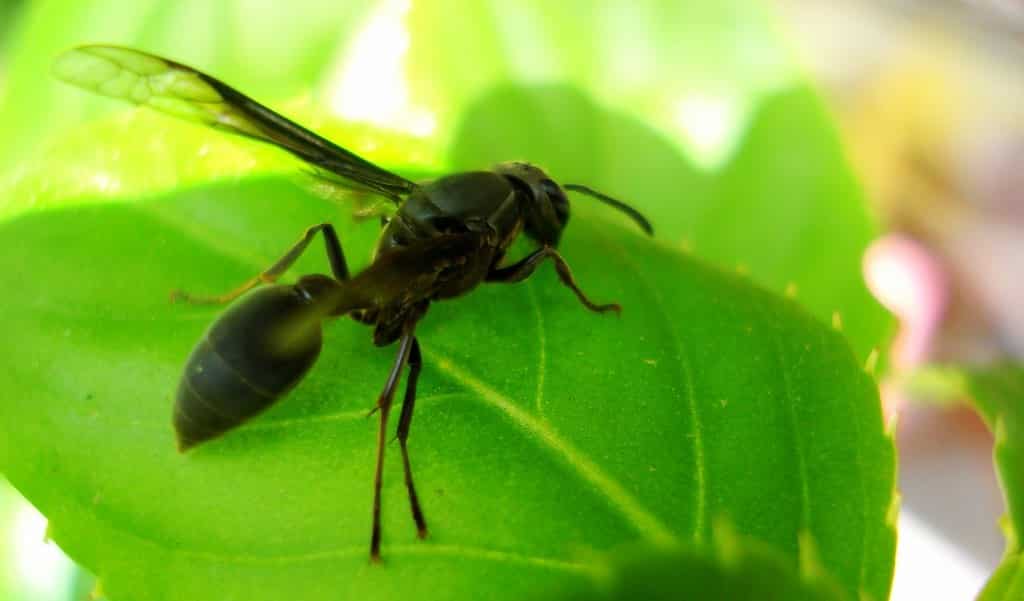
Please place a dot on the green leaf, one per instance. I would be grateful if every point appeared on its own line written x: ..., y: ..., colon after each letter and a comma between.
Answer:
x: 1007, y: 583
x: 998, y: 394
x: 544, y: 433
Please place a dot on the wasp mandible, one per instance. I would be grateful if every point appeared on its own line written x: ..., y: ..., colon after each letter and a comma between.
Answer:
x: 446, y: 237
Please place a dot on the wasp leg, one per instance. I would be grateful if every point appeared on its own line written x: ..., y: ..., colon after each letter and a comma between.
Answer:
x: 404, y: 421
x: 524, y: 268
x: 334, y: 255
x: 384, y: 404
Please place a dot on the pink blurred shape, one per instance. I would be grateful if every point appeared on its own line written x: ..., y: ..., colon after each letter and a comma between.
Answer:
x: 909, y: 281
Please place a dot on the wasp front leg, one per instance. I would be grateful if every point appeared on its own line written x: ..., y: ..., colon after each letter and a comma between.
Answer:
x: 525, y: 267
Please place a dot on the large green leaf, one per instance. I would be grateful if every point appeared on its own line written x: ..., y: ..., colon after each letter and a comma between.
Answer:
x: 544, y: 432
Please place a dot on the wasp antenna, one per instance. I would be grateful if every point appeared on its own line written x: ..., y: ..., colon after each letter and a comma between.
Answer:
x: 618, y: 204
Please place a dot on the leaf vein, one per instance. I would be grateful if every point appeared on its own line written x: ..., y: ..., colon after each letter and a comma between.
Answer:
x: 863, y: 556
x: 409, y: 550
x: 801, y: 460
x: 696, y: 433
x: 639, y: 516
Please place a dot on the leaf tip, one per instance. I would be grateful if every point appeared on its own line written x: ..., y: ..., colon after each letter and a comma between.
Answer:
x: 837, y: 321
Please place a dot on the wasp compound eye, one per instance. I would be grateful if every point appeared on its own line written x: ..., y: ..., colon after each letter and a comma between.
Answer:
x: 559, y: 202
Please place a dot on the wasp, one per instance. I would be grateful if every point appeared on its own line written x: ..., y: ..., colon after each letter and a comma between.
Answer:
x: 445, y: 238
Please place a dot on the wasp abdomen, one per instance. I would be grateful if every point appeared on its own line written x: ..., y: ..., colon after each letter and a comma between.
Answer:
x: 240, y: 367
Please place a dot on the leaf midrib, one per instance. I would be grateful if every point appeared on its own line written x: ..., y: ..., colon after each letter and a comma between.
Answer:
x: 645, y: 522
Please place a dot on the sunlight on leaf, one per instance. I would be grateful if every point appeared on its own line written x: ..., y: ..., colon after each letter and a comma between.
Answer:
x: 227, y: 39
x: 371, y: 85
x: 631, y: 56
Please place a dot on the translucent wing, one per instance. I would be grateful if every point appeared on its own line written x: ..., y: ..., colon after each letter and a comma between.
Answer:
x: 183, y: 92
x: 363, y: 202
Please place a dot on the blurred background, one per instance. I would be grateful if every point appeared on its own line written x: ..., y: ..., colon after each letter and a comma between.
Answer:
x: 926, y: 94
x: 928, y: 97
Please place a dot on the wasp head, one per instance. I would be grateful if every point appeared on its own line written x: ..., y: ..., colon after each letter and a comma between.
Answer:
x: 547, y: 211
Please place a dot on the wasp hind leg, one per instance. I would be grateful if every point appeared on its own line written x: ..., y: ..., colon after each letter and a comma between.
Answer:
x: 335, y: 256
x: 404, y: 422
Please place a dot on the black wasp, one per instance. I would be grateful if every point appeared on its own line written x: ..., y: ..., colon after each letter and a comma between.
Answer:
x: 446, y: 237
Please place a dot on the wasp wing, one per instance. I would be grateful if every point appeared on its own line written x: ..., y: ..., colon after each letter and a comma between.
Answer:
x: 185, y: 93
x: 363, y: 202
